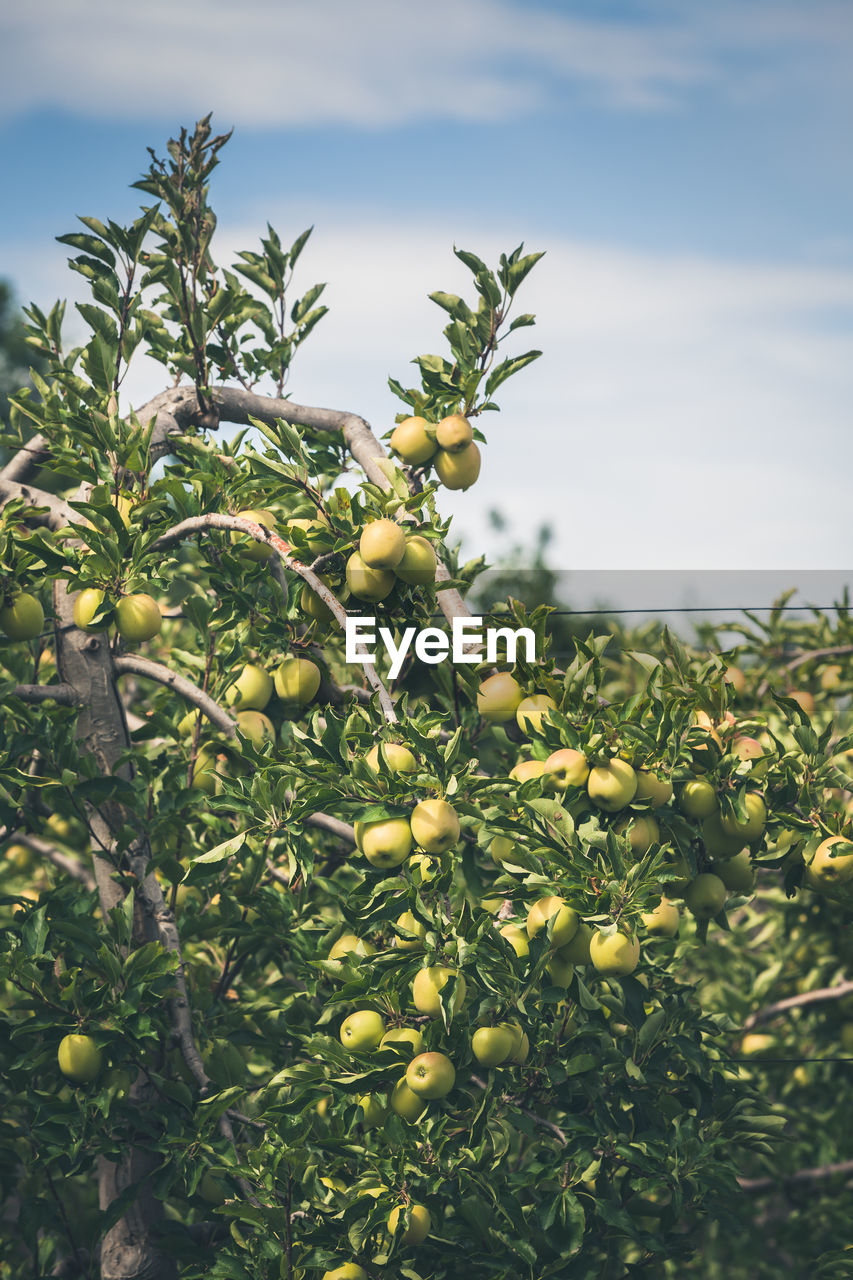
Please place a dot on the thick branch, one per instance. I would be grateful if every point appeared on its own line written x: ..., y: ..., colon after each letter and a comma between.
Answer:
x: 755, y: 1186
x: 836, y: 651
x: 216, y: 520
x: 26, y: 459
x: 131, y: 662
x: 798, y: 1002
x: 327, y: 823
x: 59, y: 514
x: 63, y: 694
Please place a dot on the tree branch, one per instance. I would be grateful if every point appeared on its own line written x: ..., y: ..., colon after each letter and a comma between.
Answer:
x: 756, y: 1186
x: 71, y: 866
x: 26, y: 459
x: 216, y: 520
x: 836, y: 651
x: 327, y: 823
x: 63, y: 694
x: 130, y: 662
x: 531, y: 1115
x: 798, y: 1002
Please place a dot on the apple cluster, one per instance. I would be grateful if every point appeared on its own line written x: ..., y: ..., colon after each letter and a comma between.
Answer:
x: 448, y: 446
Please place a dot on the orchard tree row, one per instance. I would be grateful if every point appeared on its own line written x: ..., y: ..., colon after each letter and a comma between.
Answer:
x: 312, y: 971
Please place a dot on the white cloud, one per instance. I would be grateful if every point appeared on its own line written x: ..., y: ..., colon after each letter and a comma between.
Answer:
x: 687, y: 413
x: 269, y: 63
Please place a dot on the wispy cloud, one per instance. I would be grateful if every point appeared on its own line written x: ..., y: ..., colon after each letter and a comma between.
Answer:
x: 268, y: 63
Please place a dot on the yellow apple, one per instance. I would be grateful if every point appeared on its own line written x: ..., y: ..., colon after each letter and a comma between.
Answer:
x: 652, y: 787
x: 566, y: 768
x: 247, y: 546
x: 754, y: 824
x: 428, y: 985
x: 642, y: 831
x: 382, y: 544
x: 718, y: 843
x: 410, y: 923
x: 374, y: 1110
x: 362, y: 1031
x: 576, y: 951
x: 663, y: 920
x: 406, y: 1104
x: 747, y: 748
x: 431, y: 1075
x: 316, y: 532
x: 454, y: 433
x: 517, y: 939
x: 252, y: 689
x: 705, y: 896
x: 435, y: 826
x: 138, y: 617
x: 418, y: 1223
x: 805, y: 701
x: 498, y: 697
x: 564, y: 920
x: 459, y: 469
x: 397, y: 758
x: 614, y: 955
x: 297, y: 680
x: 737, y: 873
x: 386, y: 842
x: 736, y: 678
x: 418, y: 565
x: 832, y: 870
x: 404, y: 1040
x: 531, y: 711
x: 411, y: 441
x: 255, y: 726
x: 350, y: 945
x: 366, y: 583
x: 527, y: 769
x: 21, y: 616
x: 79, y: 1058
x: 698, y: 798
x: 492, y: 1045
x: 501, y: 849
x: 347, y: 1271
x: 612, y: 785
x: 86, y: 605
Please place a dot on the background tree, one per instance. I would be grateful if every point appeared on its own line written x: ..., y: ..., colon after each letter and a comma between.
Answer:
x: 309, y: 970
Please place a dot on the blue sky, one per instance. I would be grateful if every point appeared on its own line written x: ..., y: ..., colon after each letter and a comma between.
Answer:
x: 685, y: 165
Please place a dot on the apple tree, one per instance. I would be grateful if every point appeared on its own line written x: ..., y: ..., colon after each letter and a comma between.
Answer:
x: 322, y: 967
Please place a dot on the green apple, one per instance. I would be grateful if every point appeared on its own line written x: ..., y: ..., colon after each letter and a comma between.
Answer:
x: 418, y: 565
x: 431, y: 1075
x: 614, y: 955
x: 718, y: 843
x: 652, y: 787
x: 406, y: 1104
x: 382, y: 544
x: 454, y: 433
x: 21, y: 616
x: 397, y: 758
x: 249, y: 549
x: 386, y: 842
x: 347, y: 1271
x: 698, y: 799
x: 416, y: 1219
x: 79, y: 1058
x: 737, y: 873
x: 252, y: 689
x: 642, y: 831
x: 705, y: 896
x: 577, y: 950
x: 458, y: 469
x: 560, y: 970
x: 86, y: 605
x: 428, y: 984
x: 138, y: 617
x: 755, y: 822
x: 435, y: 826
x: 501, y: 849
x: 519, y: 1055
x: 411, y: 441
x: 317, y: 533
x: 213, y: 1190
x: 514, y: 1027
x: 297, y: 680
x: 498, y: 697
x: 564, y: 920
x: 21, y: 857
x: 663, y: 920
x: 411, y: 924
x: 612, y: 785
x: 566, y: 768
x: 517, y: 939
x: 677, y: 865
x: 311, y: 604
x: 362, y: 1031
x: 366, y: 583
x: 531, y: 711
x: 832, y: 865
x: 404, y: 1040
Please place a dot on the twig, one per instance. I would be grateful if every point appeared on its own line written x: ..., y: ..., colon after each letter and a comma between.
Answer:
x: 131, y: 662
x: 239, y: 524
x: 836, y: 651
x: 797, y: 1002
x: 531, y: 1115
